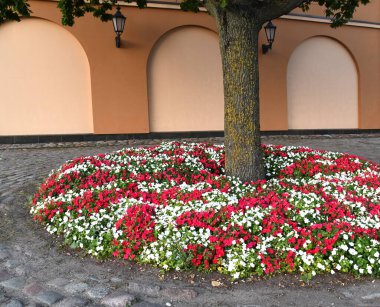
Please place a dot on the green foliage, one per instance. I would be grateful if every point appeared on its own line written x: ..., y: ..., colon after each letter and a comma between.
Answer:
x: 340, y: 11
x: 13, y: 10
x: 77, y: 8
x: 191, y: 5
x: 100, y: 9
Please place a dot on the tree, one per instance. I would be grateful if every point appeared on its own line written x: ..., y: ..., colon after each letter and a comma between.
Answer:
x: 238, y: 23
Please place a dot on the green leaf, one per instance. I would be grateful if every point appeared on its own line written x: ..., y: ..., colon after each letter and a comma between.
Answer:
x: 191, y: 5
x: 13, y: 10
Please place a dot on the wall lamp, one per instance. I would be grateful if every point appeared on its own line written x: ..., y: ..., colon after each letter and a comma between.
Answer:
x: 118, y: 20
x: 270, y: 32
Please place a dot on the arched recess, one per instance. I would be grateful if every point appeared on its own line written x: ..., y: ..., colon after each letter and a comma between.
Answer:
x: 185, y: 82
x: 322, y: 84
x: 44, y: 80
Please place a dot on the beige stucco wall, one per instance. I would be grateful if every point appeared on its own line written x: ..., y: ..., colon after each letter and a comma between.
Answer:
x: 44, y: 80
x: 322, y: 86
x: 185, y: 82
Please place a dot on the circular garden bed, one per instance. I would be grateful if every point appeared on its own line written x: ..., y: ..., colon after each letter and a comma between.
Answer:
x: 172, y: 205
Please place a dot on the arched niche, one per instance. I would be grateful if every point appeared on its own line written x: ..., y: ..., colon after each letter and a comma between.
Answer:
x: 322, y: 86
x: 185, y: 82
x: 44, y: 80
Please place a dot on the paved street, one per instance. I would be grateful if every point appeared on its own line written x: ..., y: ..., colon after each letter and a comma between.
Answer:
x: 36, y: 270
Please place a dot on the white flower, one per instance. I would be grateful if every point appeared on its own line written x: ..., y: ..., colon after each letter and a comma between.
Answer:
x: 344, y: 247
x: 320, y: 266
x: 352, y: 251
x: 369, y: 269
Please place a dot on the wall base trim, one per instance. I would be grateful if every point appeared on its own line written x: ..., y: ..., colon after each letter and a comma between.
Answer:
x: 33, y: 139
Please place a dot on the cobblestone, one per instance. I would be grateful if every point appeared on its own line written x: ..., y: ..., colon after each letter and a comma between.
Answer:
x: 142, y: 288
x: 118, y: 300
x: 11, y: 263
x: 75, y: 287
x: 7, y: 200
x: 72, y: 301
x: 4, y: 275
x: 4, y: 254
x: 58, y: 282
x: 33, y: 289
x: 48, y: 297
x: 147, y: 304
x: 14, y: 283
x: 21, y: 270
x: 179, y: 294
x: 36, y: 271
x: 98, y: 292
x: 116, y: 280
x: 14, y: 303
x: 372, y: 296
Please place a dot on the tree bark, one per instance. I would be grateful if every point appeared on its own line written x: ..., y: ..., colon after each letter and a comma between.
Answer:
x: 238, y: 36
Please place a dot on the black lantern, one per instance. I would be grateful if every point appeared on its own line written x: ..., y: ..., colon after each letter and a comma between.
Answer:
x: 118, y: 20
x: 270, y: 32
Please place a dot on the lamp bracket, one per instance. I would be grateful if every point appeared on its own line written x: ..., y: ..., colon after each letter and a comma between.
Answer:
x: 266, y: 48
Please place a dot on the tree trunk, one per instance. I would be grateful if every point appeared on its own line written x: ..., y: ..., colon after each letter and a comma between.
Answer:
x: 238, y: 36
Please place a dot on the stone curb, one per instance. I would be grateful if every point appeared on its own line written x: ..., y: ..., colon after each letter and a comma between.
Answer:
x: 146, y: 142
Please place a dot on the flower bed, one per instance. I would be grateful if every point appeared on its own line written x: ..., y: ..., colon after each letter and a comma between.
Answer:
x: 172, y: 205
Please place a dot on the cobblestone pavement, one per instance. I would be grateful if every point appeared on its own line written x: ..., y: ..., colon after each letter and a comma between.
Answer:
x: 35, y: 270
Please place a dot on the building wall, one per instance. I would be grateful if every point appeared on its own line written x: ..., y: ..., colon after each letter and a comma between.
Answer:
x: 119, y: 77
x: 44, y: 80
x: 185, y: 82
x: 322, y: 86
